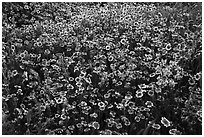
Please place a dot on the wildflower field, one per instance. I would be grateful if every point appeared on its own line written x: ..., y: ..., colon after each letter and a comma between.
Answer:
x: 101, y: 68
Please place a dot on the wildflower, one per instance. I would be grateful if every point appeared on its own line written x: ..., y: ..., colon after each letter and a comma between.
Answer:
x: 95, y: 115
x: 152, y: 75
x: 79, y: 84
x: 128, y: 97
x: 42, y: 92
x: 87, y: 129
x: 125, y: 102
x: 69, y: 86
x: 110, y: 124
x: 149, y: 104
x: 174, y: 132
x: 22, y: 106
x: 142, y: 108
x: 55, y: 67
x: 112, y: 113
x: 71, y: 127
x: 168, y: 46
x: 139, y: 94
x: 118, y: 83
x: 95, y: 125
x: 110, y: 58
x: 197, y: 76
x: 102, y: 108
x: 119, y: 125
x: 79, y: 125
x: 84, y: 123
x: 156, y: 126
x: 83, y: 103
x: 137, y: 118
x: 131, y: 104
x: 14, y: 72
x: 13, y: 48
x: 146, y: 109
x: 57, y: 115
x: 88, y: 80
x: 158, y: 90
x: 63, y: 93
x: 47, y: 51
x: 19, y: 91
x: 123, y: 41
x: 22, y: 55
x: 155, y: 28
x: 108, y: 47
x: 165, y: 122
x: 150, y: 93
x: 42, y: 107
x: 108, y: 132
x: 71, y: 79
x: 107, y: 95
x: 101, y: 104
x: 127, y: 122
x: 119, y: 105
x: 63, y: 116
x: 191, y: 81
x: 58, y: 100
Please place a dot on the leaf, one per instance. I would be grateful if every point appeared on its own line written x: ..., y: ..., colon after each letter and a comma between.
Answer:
x: 146, y: 130
x: 140, y: 132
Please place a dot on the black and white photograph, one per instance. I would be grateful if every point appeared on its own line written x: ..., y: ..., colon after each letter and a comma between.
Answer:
x: 101, y: 68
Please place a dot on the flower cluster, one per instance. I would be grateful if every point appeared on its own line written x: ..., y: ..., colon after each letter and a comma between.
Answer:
x: 101, y: 68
